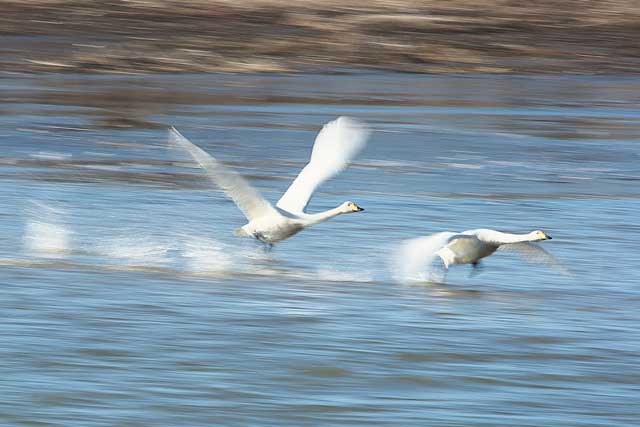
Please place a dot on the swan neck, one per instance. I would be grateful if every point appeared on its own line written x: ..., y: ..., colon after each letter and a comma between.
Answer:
x: 513, y: 238
x: 317, y: 218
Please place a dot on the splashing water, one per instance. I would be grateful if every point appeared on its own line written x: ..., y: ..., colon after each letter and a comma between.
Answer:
x: 204, y: 255
x: 135, y: 251
x: 45, y: 235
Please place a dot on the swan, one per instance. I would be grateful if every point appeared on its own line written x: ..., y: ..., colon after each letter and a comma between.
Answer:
x: 336, y: 144
x: 415, y: 256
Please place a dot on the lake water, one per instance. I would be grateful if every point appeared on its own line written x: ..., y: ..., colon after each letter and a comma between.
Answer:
x: 128, y: 301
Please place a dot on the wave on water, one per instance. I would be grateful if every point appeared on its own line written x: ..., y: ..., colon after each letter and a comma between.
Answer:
x: 331, y: 275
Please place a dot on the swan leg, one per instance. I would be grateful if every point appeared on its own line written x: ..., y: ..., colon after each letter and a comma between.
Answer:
x: 477, y: 269
x: 268, y: 247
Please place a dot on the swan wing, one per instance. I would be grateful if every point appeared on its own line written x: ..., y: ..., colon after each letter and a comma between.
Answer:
x: 250, y: 202
x: 336, y: 144
x: 467, y: 246
x: 414, y: 257
x: 534, y: 254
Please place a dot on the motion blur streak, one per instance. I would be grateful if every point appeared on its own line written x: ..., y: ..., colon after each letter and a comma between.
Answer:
x: 248, y: 36
x: 155, y: 314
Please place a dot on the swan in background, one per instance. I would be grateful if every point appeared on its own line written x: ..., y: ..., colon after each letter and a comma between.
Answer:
x: 415, y: 256
x: 336, y: 144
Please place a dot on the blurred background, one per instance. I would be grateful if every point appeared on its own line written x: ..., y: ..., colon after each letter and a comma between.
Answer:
x: 127, y: 300
x: 456, y: 36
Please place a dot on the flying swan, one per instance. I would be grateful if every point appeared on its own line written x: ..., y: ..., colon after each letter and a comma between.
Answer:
x: 336, y: 144
x: 415, y: 257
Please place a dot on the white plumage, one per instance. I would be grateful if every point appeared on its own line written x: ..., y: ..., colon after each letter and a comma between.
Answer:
x: 415, y: 257
x: 336, y: 144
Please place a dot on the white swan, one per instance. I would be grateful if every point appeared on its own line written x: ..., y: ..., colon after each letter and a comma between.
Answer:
x: 415, y: 256
x: 336, y: 144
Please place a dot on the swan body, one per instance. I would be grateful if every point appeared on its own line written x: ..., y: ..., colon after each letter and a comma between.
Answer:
x: 336, y: 144
x: 282, y: 225
x: 415, y: 256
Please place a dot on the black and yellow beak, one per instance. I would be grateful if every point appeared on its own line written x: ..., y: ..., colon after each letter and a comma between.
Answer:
x: 354, y: 207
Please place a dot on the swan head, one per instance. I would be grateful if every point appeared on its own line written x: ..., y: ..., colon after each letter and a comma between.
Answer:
x: 539, y: 235
x: 350, y: 207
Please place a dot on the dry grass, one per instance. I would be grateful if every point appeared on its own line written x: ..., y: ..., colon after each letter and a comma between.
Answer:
x: 490, y: 36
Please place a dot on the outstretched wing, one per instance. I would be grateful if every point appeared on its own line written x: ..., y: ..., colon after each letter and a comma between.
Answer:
x: 414, y: 257
x: 336, y: 144
x: 236, y: 187
x: 534, y: 254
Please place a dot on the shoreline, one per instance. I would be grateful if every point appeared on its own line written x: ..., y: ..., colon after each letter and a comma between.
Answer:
x: 271, y: 36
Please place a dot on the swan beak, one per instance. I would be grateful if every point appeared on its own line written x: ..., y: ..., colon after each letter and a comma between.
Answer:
x: 548, y: 237
x: 354, y: 207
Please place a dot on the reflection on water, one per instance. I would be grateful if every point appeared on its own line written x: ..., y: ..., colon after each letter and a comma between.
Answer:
x: 128, y: 300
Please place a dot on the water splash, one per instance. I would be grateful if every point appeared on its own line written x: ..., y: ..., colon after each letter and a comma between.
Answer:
x: 45, y: 233
x: 135, y: 251
x: 206, y: 255
x: 414, y: 261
